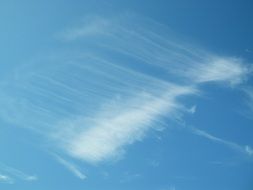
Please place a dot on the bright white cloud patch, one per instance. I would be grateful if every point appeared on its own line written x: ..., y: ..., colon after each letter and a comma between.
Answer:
x: 218, y: 69
x: 120, y: 83
x: 114, y: 128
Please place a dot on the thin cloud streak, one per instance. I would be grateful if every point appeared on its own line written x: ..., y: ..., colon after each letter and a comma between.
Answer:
x: 249, y: 98
x: 17, y: 173
x: 243, y: 149
x: 71, y: 167
x: 89, y: 28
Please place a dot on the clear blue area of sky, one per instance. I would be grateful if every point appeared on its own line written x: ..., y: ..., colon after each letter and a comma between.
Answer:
x: 181, y: 160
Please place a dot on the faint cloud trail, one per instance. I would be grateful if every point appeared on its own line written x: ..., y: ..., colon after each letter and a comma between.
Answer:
x: 6, y: 179
x: 71, y: 167
x: 243, y: 149
x: 15, y: 173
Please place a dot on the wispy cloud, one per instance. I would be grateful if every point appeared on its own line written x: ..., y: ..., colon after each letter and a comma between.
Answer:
x: 130, y: 177
x: 193, y: 109
x: 243, y: 149
x: 71, y: 167
x: 17, y: 173
x: 6, y: 179
x: 249, y: 150
x: 171, y: 187
x: 220, y: 69
x: 91, y: 26
x: 116, y: 127
x: 167, y: 53
x: 249, y: 97
x: 93, y: 105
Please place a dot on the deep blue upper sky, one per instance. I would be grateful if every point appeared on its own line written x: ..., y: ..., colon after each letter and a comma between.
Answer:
x: 126, y: 95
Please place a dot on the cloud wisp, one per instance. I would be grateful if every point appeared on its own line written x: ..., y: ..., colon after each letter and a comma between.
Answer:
x: 115, y: 127
x: 119, y: 82
x: 243, y: 149
x: 15, y: 173
x: 249, y: 100
x: 6, y: 179
x: 71, y: 167
x: 219, y: 69
x: 151, y: 43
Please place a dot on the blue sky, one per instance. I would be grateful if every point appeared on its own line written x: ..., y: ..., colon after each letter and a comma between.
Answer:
x: 128, y: 95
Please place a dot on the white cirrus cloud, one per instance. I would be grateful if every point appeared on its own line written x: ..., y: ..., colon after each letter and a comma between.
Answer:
x: 243, y: 149
x: 71, y: 167
x: 15, y: 173
x: 123, y: 77
x: 249, y: 97
x: 114, y: 128
x: 220, y: 69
